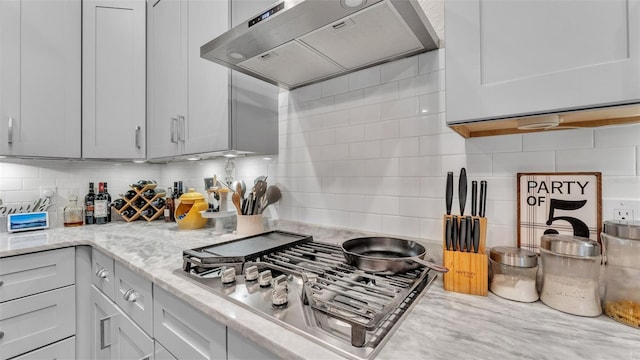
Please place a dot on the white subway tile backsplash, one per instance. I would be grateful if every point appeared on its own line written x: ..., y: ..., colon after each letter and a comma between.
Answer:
x: 11, y: 184
x: 401, y: 226
x: 365, y: 222
x: 349, y: 134
x: 339, y: 219
x: 307, y: 93
x: 335, y: 152
x: 452, y: 163
x: 400, y: 147
x: 335, y: 86
x: 18, y: 171
x: 364, y: 78
x: 558, y: 140
x: 431, y: 103
x: 349, y: 99
x: 335, y: 184
x: 310, y: 122
x: 365, y: 186
x: 365, y: 150
x: 621, y: 187
x: 381, y: 167
x: 431, y: 229
x: 422, y: 84
x: 400, y: 108
x: 433, y: 187
x: 400, y: 69
x: 320, y: 137
x: 335, y: 119
x: 380, y: 93
x: 449, y: 144
x: 618, y: 136
x: 479, y: 164
x: 382, y: 130
x: 322, y: 105
x: 421, y: 207
x: 400, y: 186
x: 431, y: 61
x: 609, y: 161
x: 419, y: 166
x: 365, y: 114
x: 511, y: 163
x: 494, y: 144
x: 388, y: 205
x: 502, y: 212
x: 501, y: 235
x: 421, y: 125
x: 349, y: 168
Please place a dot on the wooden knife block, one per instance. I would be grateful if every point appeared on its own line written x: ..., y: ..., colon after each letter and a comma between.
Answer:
x: 468, y: 271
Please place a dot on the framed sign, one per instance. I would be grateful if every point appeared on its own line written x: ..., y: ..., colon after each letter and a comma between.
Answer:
x: 558, y: 203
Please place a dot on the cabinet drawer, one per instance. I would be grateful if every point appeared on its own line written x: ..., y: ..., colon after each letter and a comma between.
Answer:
x: 34, y: 273
x: 184, y: 331
x: 133, y: 295
x: 103, y: 273
x: 65, y: 349
x: 37, y: 320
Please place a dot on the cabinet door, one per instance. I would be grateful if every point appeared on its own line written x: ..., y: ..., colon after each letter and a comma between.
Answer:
x: 115, y: 336
x: 207, y: 122
x: 114, y: 94
x: 65, y: 349
x: 239, y: 348
x: 184, y: 331
x: 167, y: 79
x: 34, y: 321
x: 509, y: 58
x: 133, y: 295
x: 40, y: 68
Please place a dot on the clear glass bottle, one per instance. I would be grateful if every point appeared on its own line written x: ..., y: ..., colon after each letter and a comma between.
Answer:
x: 73, y: 212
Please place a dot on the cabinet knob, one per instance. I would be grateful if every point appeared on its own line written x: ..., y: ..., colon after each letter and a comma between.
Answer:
x: 102, y: 273
x: 1, y: 334
x: 10, y: 131
x: 131, y: 295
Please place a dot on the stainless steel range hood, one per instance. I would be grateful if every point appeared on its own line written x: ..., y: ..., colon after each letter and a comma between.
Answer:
x: 294, y: 43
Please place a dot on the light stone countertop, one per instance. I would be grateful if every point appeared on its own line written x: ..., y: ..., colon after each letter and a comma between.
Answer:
x: 443, y: 325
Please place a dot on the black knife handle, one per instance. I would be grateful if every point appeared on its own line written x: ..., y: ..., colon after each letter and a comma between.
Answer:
x: 447, y: 233
x: 483, y: 198
x: 462, y: 189
x: 463, y: 235
x: 476, y: 234
x: 474, y: 195
x: 468, y: 223
x: 455, y: 239
x: 449, y: 193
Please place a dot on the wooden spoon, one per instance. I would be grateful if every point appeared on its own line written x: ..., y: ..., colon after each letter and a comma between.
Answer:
x: 235, y: 198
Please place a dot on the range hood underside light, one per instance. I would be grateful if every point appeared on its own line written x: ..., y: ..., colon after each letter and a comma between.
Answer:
x: 382, y: 31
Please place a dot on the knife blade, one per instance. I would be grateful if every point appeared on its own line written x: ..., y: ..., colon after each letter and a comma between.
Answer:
x: 483, y: 198
x: 476, y: 234
x: 463, y: 234
x: 447, y: 233
x: 474, y: 195
x: 449, y: 192
x: 462, y: 190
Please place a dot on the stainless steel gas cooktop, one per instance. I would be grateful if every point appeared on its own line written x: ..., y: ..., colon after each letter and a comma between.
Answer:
x: 307, y: 287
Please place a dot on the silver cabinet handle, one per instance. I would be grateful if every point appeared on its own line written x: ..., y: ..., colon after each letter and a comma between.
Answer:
x: 138, y: 128
x: 174, y: 124
x: 103, y: 344
x: 10, y: 131
x: 131, y: 295
x: 102, y: 273
x: 182, y: 123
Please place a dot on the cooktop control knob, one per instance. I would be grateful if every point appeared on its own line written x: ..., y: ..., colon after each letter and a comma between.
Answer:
x: 279, y: 296
x: 251, y: 273
x: 264, y: 278
x: 228, y: 276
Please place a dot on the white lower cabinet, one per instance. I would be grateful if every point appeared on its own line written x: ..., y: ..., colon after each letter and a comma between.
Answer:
x: 65, y: 349
x: 184, y: 331
x: 161, y: 353
x: 238, y: 348
x: 37, y: 320
x: 115, y: 335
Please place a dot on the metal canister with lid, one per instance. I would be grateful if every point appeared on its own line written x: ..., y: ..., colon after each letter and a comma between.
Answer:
x: 571, y: 271
x: 513, y: 273
x: 621, y: 242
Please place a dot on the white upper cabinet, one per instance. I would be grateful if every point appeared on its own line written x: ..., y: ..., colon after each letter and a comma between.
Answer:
x: 196, y: 106
x: 513, y: 58
x: 113, y: 82
x: 40, y: 69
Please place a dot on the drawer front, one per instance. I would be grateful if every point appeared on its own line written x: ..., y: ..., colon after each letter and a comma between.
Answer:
x: 186, y: 332
x: 37, y: 320
x: 103, y: 273
x: 160, y: 353
x: 29, y: 274
x: 65, y: 349
x: 133, y: 295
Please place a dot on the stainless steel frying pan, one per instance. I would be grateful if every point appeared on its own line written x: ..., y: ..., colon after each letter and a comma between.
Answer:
x: 386, y: 255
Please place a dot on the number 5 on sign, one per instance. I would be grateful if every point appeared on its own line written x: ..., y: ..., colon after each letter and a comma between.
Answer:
x: 579, y: 227
x: 558, y: 203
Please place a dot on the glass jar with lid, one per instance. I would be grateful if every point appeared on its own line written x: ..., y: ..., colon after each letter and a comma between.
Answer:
x: 571, y: 271
x: 621, y: 243
x: 73, y: 213
x: 513, y: 273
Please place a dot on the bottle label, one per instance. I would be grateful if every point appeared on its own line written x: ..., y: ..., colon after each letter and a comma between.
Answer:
x: 100, y: 208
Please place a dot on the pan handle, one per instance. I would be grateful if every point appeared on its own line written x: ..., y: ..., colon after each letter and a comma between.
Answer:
x: 430, y: 265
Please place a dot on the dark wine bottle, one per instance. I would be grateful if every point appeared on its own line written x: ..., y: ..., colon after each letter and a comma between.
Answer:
x: 130, y: 194
x: 88, y: 205
x: 101, y: 204
x: 139, y: 203
x: 148, y: 212
x: 128, y: 213
x: 108, y: 202
x: 158, y: 203
x: 119, y: 203
x: 149, y: 193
